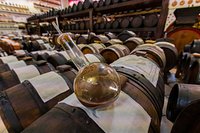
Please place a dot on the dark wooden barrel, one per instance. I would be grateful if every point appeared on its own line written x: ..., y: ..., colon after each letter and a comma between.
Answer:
x: 102, y: 25
x: 124, y: 35
x: 87, y: 4
x: 113, y: 42
x: 125, y: 23
x: 114, y: 52
x: 95, y: 4
x: 151, y: 20
x: 188, y: 120
x: 181, y: 96
x: 20, y: 53
x: 108, y: 25
x: 101, y: 3
x: 187, y: 48
x: 133, y: 42
x: 96, y: 26
x: 18, y: 75
x: 183, y: 36
x: 80, y: 6
x: 152, y: 52
x: 171, y: 54
x: 116, y: 23
x: 45, y: 55
x: 77, y: 26
x: 87, y: 25
x: 93, y: 48
x: 110, y: 35
x: 74, y: 7
x: 137, y: 21
x: 99, y: 38
x: 95, y: 57
x: 82, y: 25
x: 195, y: 46
x: 19, y: 112
x: 108, y: 2
x: 82, y: 39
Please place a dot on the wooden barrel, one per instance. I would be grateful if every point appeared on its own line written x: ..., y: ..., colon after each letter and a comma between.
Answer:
x: 82, y: 39
x: 113, y: 42
x: 110, y: 35
x: 96, y: 26
x: 133, y: 42
x: 82, y: 25
x: 77, y: 26
x: 11, y: 58
x: 101, y: 3
x: 9, y: 45
x: 80, y: 6
x: 181, y: 95
x: 116, y: 23
x: 95, y: 4
x: 99, y: 38
x: 18, y: 75
x: 108, y: 2
x: 124, y: 35
x: 93, y: 48
x: 171, y: 54
x: 195, y: 46
x: 74, y: 7
x: 183, y: 36
x: 19, y: 112
x: 95, y: 57
x: 45, y: 55
x: 151, y: 20
x: 188, y: 120
x: 125, y: 23
x: 87, y: 25
x: 87, y: 4
x: 12, y: 65
x: 108, y: 25
x: 138, y: 91
x: 137, y: 21
x: 114, y: 52
x: 102, y: 25
x: 69, y: 9
x: 20, y: 53
x: 151, y: 52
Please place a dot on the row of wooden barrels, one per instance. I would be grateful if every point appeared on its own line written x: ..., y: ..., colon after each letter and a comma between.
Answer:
x: 19, y: 112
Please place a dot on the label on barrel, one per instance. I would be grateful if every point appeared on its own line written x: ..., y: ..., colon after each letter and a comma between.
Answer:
x: 49, y: 85
x: 65, y: 54
x: 16, y: 64
x: 124, y: 115
x: 141, y: 65
x: 8, y: 59
x: 3, y: 128
x: 27, y: 72
x: 92, y: 58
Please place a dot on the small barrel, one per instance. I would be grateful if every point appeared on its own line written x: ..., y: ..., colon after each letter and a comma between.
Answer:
x: 137, y: 21
x: 114, y: 52
x: 102, y: 25
x: 108, y: 2
x: 125, y: 23
x: 19, y: 112
x: 110, y: 35
x: 95, y: 4
x: 74, y: 8
x: 151, y: 20
x: 82, y: 39
x: 87, y: 4
x: 96, y: 26
x: 93, y: 48
x: 99, y: 38
x: 171, y: 54
x: 101, y: 3
x: 133, y: 42
x: 77, y: 26
x: 80, y: 6
x: 113, y: 42
x: 18, y: 75
x: 82, y: 25
x: 12, y: 65
x: 108, y: 25
x: 116, y: 24
x: 195, y: 46
x: 124, y: 35
x: 151, y: 52
x: 181, y: 96
x: 188, y: 120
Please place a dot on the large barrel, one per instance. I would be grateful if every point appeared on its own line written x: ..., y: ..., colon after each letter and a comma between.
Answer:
x: 82, y: 39
x: 18, y: 75
x: 138, y: 95
x: 188, y: 120
x: 151, y: 52
x: 180, y: 97
x: 171, y: 54
x: 80, y: 5
x: 137, y: 22
x: 114, y: 52
x: 93, y: 48
x: 37, y: 96
x: 133, y: 42
x: 101, y: 3
x: 124, y: 35
x: 99, y: 38
x: 20, y: 53
x: 95, y: 4
x: 125, y: 23
x: 113, y: 42
x: 110, y: 35
x: 87, y: 4
x: 151, y: 20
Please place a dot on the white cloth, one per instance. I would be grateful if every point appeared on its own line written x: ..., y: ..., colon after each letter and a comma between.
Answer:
x: 124, y: 116
x: 49, y: 85
x: 8, y: 59
x: 16, y: 64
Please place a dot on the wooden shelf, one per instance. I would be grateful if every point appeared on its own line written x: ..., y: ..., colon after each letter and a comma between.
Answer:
x: 77, y: 14
x: 132, y: 4
x: 49, y: 18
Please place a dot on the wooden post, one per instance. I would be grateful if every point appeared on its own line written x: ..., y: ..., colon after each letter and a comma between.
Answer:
x: 91, y: 18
